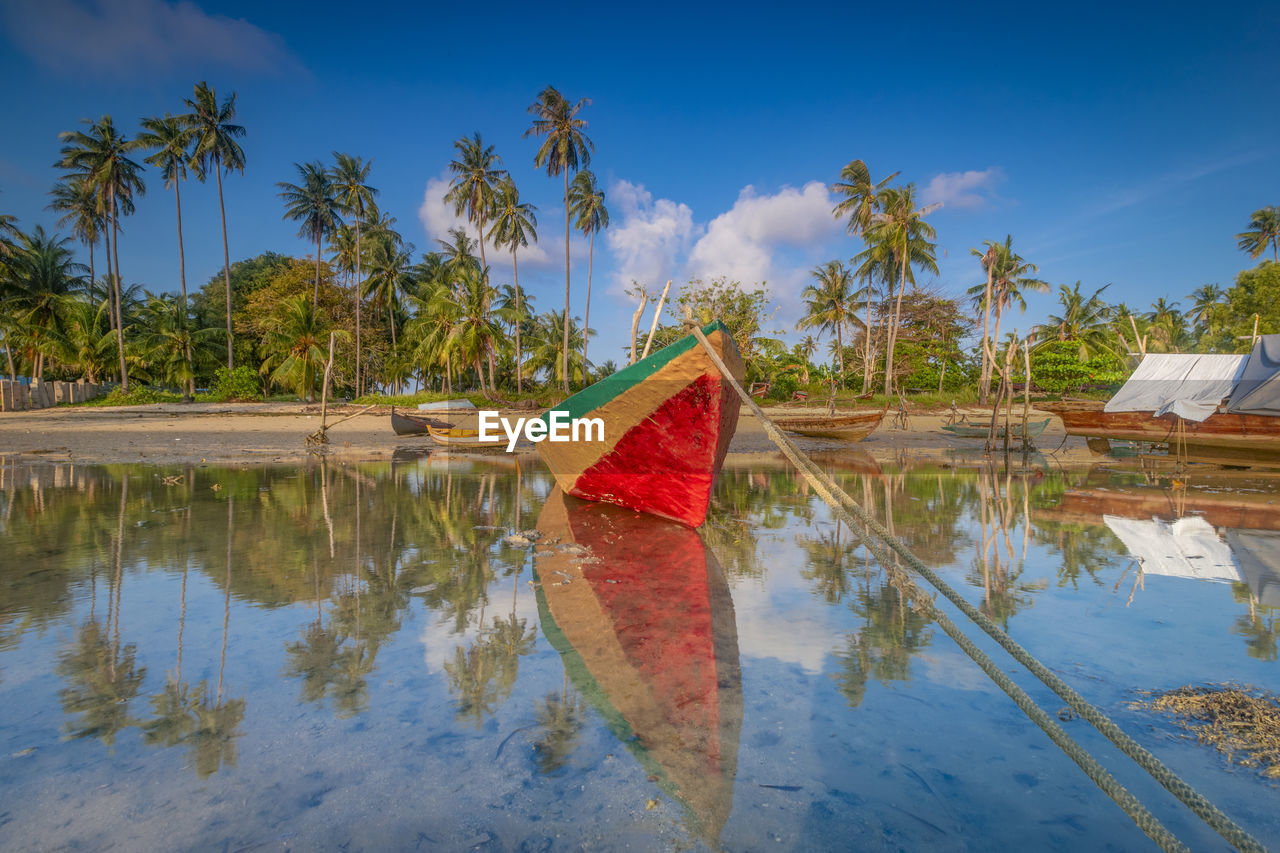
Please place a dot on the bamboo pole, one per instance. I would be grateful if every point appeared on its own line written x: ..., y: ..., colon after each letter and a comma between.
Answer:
x: 656, y: 314
x: 635, y: 321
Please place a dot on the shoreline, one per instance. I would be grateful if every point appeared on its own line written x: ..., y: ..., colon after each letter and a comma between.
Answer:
x: 275, y: 433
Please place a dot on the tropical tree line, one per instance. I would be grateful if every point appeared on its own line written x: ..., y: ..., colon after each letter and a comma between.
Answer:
x: 860, y: 304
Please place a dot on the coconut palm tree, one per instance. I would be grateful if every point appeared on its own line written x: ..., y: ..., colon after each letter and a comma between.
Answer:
x: 216, y: 149
x: 861, y: 197
x: 76, y: 199
x: 1264, y: 230
x: 99, y: 156
x: 514, y: 223
x: 296, y: 347
x: 169, y: 139
x: 472, y: 332
x: 1085, y: 320
x: 565, y: 149
x: 350, y: 176
x: 390, y: 274
x: 42, y: 273
x: 85, y: 336
x: 473, y: 189
x: 827, y: 304
x: 314, y: 204
x: 1203, y: 298
x: 545, y: 351
x: 1008, y: 279
x: 586, y: 201
x: 899, y: 231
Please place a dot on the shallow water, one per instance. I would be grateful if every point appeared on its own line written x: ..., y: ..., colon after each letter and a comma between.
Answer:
x: 349, y: 656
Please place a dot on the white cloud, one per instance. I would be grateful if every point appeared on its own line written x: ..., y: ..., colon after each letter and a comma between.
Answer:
x: 743, y: 242
x: 648, y: 237
x: 963, y: 189
x: 133, y: 36
x: 437, y: 217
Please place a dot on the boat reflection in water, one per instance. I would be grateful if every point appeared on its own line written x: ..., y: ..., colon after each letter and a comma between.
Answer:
x: 1203, y: 537
x: 640, y: 611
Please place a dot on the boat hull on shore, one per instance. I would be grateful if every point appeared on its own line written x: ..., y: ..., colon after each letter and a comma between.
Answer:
x: 1222, y: 434
x: 668, y: 420
x: 854, y: 427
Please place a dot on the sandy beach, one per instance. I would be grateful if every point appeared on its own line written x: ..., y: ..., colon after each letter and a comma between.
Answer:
x: 258, y: 433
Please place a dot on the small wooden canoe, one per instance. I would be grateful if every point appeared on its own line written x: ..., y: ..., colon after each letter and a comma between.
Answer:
x: 415, y: 424
x: 981, y: 430
x: 645, y: 625
x: 668, y: 420
x: 854, y: 427
x: 465, y: 438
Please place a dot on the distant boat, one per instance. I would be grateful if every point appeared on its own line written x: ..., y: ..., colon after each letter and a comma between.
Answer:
x: 854, y: 427
x: 465, y: 439
x: 414, y: 425
x: 441, y: 405
x: 1217, y: 407
x: 668, y: 420
x: 981, y: 430
x: 641, y: 613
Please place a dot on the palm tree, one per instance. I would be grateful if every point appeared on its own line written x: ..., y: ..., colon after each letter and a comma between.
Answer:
x: 216, y: 148
x: 545, y: 351
x: 586, y: 200
x: 1085, y: 320
x: 98, y: 156
x: 169, y: 138
x: 390, y: 275
x: 1265, y: 230
x: 41, y: 275
x: 295, y: 346
x: 827, y: 303
x: 1203, y: 299
x: 76, y: 199
x: 472, y: 332
x: 513, y: 224
x: 899, y: 232
x: 314, y: 204
x: 1008, y: 277
x: 861, y: 197
x: 476, y: 177
x: 86, y: 338
x: 356, y: 200
x: 565, y: 149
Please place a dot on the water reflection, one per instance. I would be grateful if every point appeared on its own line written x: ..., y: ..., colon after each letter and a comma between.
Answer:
x: 190, y: 620
x: 641, y: 613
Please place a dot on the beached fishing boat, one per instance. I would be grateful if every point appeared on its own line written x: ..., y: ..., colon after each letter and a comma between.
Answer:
x: 640, y: 611
x: 404, y: 424
x: 853, y: 427
x: 1224, y: 407
x: 465, y: 438
x: 668, y: 420
x: 982, y: 430
x: 445, y: 405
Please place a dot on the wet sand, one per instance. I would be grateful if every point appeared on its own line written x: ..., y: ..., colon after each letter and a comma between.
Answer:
x: 256, y: 433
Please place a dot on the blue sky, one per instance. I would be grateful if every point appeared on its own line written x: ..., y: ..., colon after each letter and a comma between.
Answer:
x: 1121, y: 143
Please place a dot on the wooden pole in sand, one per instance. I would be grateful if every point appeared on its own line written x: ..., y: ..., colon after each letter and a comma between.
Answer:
x: 324, y: 390
x: 635, y: 321
x: 656, y: 314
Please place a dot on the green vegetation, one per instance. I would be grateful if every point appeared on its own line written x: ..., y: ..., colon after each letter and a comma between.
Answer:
x: 406, y: 323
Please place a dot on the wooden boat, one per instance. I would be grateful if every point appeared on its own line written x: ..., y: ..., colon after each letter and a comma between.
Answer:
x: 668, y: 420
x: 446, y: 405
x: 981, y: 430
x: 854, y: 427
x: 1222, y: 436
x: 465, y: 438
x: 644, y: 623
x: 414, y: 424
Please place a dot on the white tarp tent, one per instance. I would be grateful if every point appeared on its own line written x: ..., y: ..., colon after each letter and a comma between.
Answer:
x: 1189, y: 385
x: 1258, y: 392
